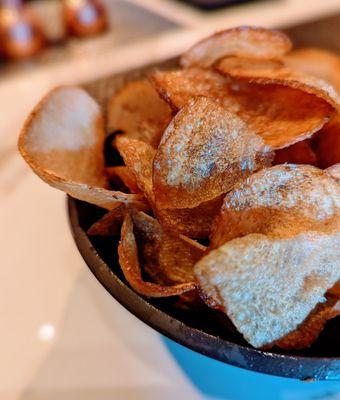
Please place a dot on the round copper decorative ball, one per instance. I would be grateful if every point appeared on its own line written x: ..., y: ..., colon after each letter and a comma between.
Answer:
x: 21, y: 35
x: 84, y: 17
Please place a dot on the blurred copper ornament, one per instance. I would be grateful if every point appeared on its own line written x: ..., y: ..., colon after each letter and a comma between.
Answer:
x: 21, y: 35
x: 84, y: 17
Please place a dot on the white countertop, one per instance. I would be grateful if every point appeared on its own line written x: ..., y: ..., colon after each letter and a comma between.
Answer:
x: 63, y: 337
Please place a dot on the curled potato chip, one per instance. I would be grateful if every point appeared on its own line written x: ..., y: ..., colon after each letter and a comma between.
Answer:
x: 269, y: 110
x: 335, y: 290
x: 318, y: 62
x: 327, y: 143
x: 110, y: 223
x: 138, y: 157
x: 166, y: 258
x: 62, y: 141
x: 205, y: 150
x: 280, y: 75
x: 128, y: 259
x: 298, y: 153
x: 139, y: 112
x: 334, y: 171
x: 306, y: 334
x: 272, y: 113
x: 177, y: 87
x: 268, y: 285
x: 242, y: 41
x: 280, y: 201
x: 101, y: 197
x: 194, y: 222
x: 124, y: 175
x: 236, y: 66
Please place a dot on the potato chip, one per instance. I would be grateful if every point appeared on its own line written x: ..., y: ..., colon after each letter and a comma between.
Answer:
x: 193, y: 243
x: 101, y: 197
x: 138, y: 157
x: 280, y: 201
x: 280, y: 76
x: 238, y: 65
x: 306, y: 334
x: 318, y: 62
x: 110, y: 223
x: 193, y: 222
x: 128, y: 259
x: 269, y: 110
x: 242, y: 41
x: 204, y: 151
x: 177, y: 87
x: 334, y: 171
x: 327, y: 143
x: 335, y: 290
x: 166, y: 258
x: 272, y: 113
x: 62, y: 141
x: 298, y: 153
x: 122, y: 173
x: 268, y: 286
x: 139, y: 112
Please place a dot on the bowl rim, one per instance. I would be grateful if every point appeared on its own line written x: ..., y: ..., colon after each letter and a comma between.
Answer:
x: 298, y: 366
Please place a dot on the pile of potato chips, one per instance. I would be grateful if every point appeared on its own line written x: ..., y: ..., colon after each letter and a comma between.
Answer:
x: 229, y: 186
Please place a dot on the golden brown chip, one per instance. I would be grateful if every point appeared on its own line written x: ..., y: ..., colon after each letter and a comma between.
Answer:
x: 62, y: 141
x: 108, y: 199
x: 128, y: 259
x: 236, y: 66
x: 334, y: 171
x: 177, y: 87
x: 272, y: 113
x: 138, y: 157
x: 193, y: 222
x: 204, y: 151
x: 335, y: 290
x: 166, y: 258
x: 268, y: 285
x: 280, y: 76
x: 312, y: 326
x: 327, y: 143
x: 139, y: 112
x: 298, y: 153
x: 318, y: 62
x: 269, y: 110
x: 110, y: 223
x: 280, y: 201
x: 242, y: 41
x: 124, y: 175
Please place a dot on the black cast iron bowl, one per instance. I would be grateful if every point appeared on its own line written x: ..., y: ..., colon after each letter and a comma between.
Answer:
x: 203, y: 330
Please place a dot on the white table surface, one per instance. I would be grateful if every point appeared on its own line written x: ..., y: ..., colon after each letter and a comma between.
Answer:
x: 62, y: 336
